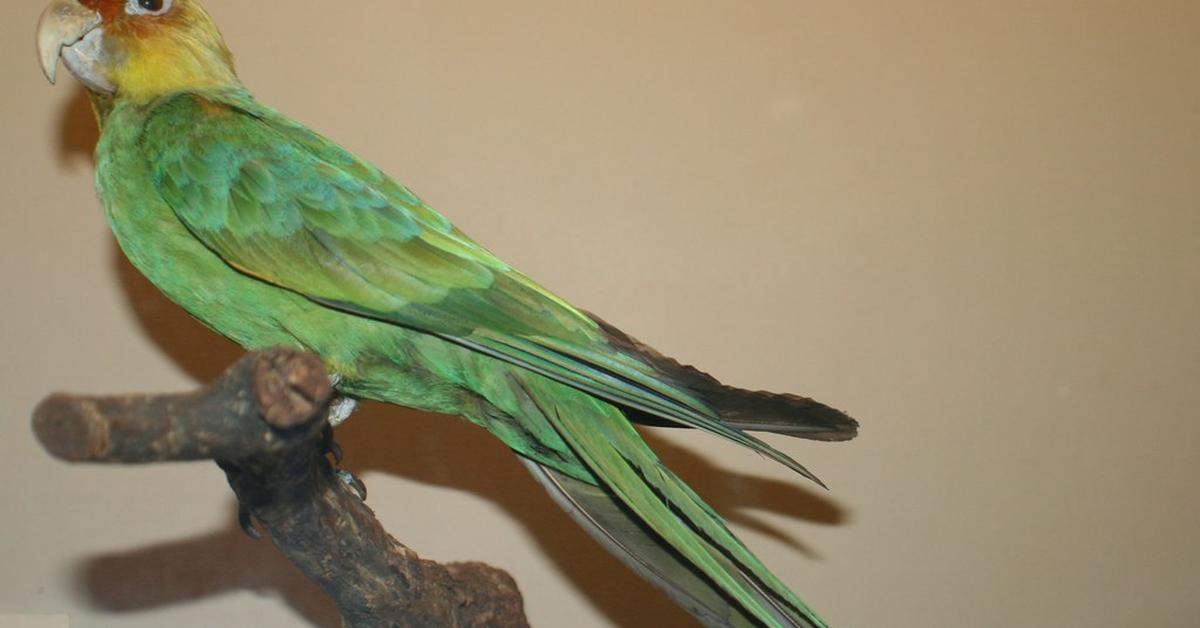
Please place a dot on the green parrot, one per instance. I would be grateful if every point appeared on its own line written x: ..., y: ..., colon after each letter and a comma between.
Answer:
x: 272, y: 235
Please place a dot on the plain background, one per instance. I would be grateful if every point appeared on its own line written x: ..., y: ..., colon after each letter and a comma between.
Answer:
x: 974, y: 225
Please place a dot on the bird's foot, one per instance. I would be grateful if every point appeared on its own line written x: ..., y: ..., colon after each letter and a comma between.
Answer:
x: 331, y: 448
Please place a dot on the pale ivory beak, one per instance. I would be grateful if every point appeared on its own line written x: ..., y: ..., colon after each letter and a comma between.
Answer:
x: 62, y: 24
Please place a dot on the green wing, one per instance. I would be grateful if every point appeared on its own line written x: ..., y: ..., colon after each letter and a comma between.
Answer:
x: 283, y: 204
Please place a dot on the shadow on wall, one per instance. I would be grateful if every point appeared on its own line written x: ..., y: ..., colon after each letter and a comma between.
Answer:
x: 224, y: 561
x: 77, y: 132
x: 431, y: 449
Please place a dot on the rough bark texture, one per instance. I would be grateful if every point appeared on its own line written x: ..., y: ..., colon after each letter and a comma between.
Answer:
x: 263, y: 422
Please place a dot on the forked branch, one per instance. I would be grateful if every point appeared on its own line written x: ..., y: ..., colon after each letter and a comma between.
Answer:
x: 263, y: 421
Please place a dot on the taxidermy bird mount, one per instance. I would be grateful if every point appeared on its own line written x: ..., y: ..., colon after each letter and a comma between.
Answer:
x: 273, y: 236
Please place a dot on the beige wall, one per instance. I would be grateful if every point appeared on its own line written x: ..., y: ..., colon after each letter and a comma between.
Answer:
x: 973, y: 224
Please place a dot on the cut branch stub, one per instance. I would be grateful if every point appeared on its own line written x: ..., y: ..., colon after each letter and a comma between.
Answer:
x: 246, y: 412
x: 291, y: 388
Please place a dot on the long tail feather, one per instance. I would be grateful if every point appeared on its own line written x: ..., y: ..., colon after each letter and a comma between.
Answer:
x: 762, y: 411
x: 611, y: 525
x: 641, y: 489
x: 558, y: 364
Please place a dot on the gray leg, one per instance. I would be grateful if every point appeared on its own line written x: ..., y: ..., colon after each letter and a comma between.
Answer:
x: 340, y: 409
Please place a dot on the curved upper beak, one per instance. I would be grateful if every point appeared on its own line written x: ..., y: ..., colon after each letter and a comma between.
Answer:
x: 62, y: 24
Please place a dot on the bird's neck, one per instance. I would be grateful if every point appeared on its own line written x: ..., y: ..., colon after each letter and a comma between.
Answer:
x: 151, y: 73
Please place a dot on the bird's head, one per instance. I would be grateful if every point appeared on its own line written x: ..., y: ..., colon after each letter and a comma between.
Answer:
x: 134, y: 49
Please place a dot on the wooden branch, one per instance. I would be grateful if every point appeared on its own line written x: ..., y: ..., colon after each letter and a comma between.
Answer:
x: 263, y: 421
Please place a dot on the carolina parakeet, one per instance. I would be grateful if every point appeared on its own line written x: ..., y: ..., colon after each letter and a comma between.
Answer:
x: 273, y: 235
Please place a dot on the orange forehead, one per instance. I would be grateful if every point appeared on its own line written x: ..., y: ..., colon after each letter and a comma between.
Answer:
x: 109, y: 10
x: 112, y: 12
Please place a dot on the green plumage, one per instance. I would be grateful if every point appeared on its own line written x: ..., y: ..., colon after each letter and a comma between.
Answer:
x: 272, y: 235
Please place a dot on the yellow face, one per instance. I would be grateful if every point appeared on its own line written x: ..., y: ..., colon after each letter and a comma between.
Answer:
x: 134, y: 49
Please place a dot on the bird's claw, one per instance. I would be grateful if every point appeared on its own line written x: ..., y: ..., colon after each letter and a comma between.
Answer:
x: 334, y: 450
x: 330, y: 446
x: 246, y: 521
x: 355, y: 484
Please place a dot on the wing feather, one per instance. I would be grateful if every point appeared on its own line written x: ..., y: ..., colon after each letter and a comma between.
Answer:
x: 287, y: 206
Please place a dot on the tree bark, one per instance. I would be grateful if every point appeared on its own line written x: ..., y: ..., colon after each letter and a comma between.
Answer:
x: 264, y: 422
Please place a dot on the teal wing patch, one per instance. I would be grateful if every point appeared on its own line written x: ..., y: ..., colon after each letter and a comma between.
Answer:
x: 283, y: 204
x: 278, y: 202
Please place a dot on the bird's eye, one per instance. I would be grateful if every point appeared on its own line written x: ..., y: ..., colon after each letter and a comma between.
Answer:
x: 147, y: 7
